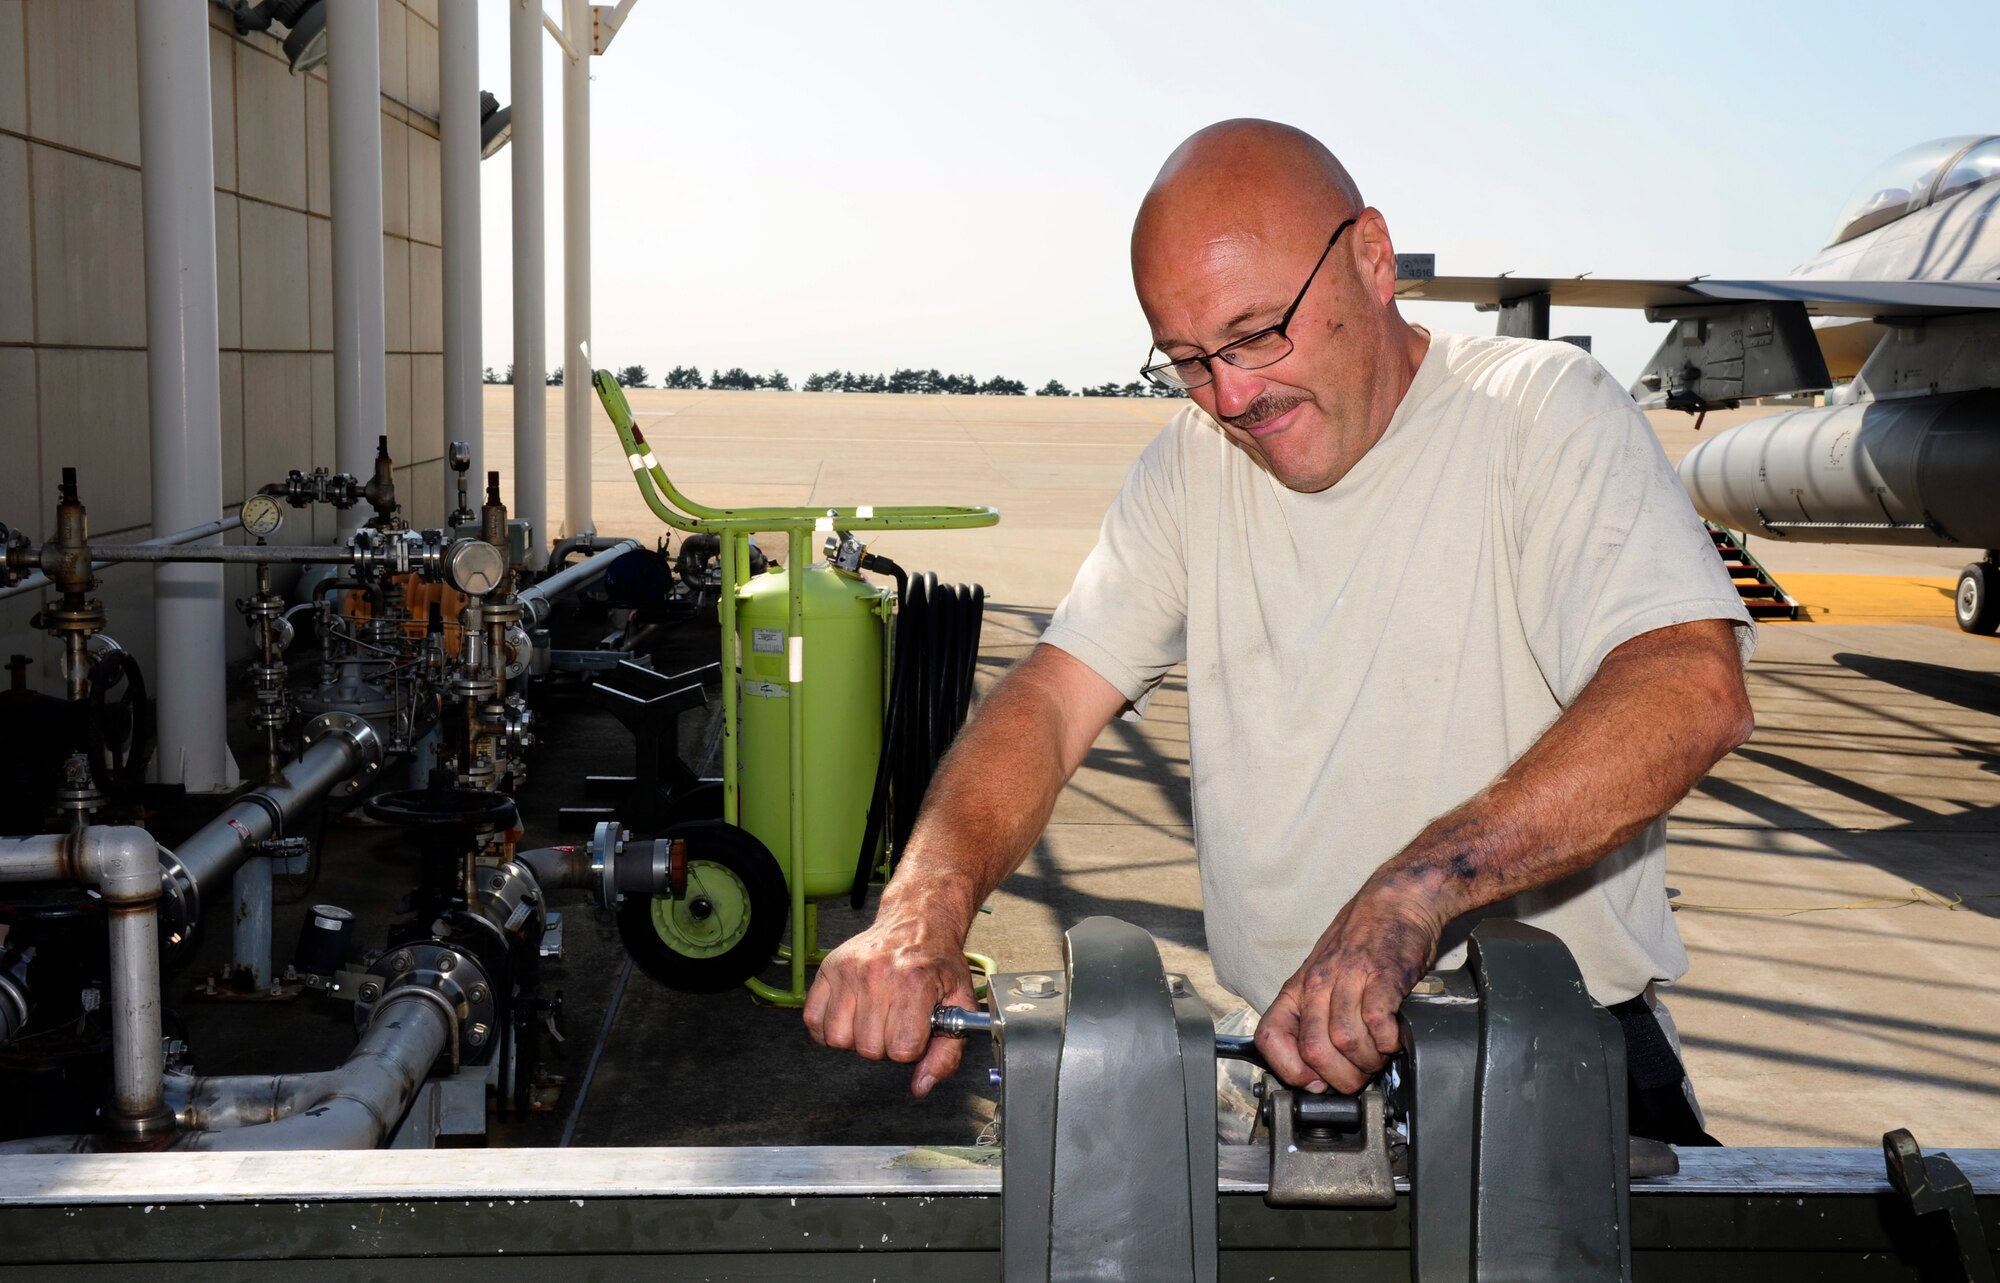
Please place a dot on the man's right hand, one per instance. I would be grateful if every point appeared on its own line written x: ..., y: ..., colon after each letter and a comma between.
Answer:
x: 875, y: 994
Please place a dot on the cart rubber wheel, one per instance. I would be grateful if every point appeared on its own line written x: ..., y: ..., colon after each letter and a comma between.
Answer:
x: 726, y: 928
x: 1977, y: 602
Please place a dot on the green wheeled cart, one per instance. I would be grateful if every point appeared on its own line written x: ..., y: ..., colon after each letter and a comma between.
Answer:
x: 805, y: 685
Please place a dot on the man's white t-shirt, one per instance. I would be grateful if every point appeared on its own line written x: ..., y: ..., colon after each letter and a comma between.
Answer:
x: 1363, y: 659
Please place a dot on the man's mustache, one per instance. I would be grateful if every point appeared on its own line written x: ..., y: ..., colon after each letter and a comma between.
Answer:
x: 1265, y: 408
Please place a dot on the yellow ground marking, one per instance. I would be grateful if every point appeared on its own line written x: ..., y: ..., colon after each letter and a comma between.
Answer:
x: 1872, y: 599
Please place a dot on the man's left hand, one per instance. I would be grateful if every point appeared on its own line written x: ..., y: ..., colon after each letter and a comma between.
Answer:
x: 1333, y: 1024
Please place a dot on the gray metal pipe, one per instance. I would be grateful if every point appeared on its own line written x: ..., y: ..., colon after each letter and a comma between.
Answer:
x: 355, y: 1106
x: 342, y: 748
x: 558, y: 868
x: 246, y: 554
x: 38, y: 581
x: 184, y: 386
x: 458, y: 145
x: 577, y: 18
x: 123, y: 863
x: 538, y: 600
x: 531, y: 413
x: 354, y: 150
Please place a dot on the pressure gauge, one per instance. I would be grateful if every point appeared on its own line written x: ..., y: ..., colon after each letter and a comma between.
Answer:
x: 474, y: 567
x: 262, y: 516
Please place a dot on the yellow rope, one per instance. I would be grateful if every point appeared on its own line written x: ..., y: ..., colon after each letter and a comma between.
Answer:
x: 1952, y: 900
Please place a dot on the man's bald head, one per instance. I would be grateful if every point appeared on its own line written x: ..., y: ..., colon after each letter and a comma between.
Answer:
x: 1250, y: 178
x: 1224, y: 251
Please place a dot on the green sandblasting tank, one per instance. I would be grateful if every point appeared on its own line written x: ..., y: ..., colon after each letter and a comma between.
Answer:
x: 844, y: 662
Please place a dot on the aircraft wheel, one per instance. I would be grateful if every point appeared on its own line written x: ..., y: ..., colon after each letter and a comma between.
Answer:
x: 726, y: 928
x: 1977, y: 603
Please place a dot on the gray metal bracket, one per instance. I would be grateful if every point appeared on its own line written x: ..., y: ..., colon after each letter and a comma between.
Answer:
x: 1109, y: 1167
x: 1331, y: 1171
x: 1935, y: 1184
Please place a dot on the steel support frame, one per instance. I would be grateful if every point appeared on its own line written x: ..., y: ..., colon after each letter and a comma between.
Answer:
x: 842, y: 1213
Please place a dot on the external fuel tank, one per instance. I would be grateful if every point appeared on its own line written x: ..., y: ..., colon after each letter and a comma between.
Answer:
x: 1916, y: 471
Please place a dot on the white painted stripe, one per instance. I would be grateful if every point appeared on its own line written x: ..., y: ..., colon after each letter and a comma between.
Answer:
x: 651, y: 462
x: 822, y: 525
x: 865, y: 511
x: 635, y: 461
x: 798, y: 658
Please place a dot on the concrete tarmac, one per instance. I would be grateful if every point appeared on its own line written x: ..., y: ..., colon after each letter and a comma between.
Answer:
x: 1838, y: 878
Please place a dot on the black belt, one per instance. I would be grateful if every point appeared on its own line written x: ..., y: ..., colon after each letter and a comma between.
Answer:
x: 1656, y: 1090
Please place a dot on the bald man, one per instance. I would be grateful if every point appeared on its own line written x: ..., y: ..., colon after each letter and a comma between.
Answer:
x: 1455, y: 642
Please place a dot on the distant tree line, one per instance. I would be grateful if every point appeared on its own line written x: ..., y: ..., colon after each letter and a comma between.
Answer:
x: 916, y: 382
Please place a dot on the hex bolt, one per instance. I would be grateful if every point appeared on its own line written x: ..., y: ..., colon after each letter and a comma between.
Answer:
x: 447, y: 961
x: 476, y: 1035
x: 1035, y: 986
x: 370, y: 991
x: 400, y: 960
x: 1428, y: 985
x: 478, y: 993
x: 1178, y: 986
x: 499, y: 882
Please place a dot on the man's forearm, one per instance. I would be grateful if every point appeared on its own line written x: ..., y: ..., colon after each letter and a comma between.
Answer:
x: 1662, y: 709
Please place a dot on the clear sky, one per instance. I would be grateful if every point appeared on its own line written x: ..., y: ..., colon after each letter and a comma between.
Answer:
x: 863, y: 186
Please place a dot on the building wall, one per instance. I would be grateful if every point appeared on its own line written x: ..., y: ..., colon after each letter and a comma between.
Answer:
x: 72, y: 282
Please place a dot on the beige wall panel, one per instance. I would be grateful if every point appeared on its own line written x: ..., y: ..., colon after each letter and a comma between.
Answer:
x: 228, y: 273
x: 222, y: 105
x: 321, y: 521
x: 13, y: 66
x: 422, y: 494
x: 127, y: 594
x: 395, y: 40
x: 426, y: 189
x: 231, y: 370
x: 277, y: 416
x: 17, y: 245
x: 321, y: 440
x: 398, y: 423
x: 426, y: 298
x: 93, y: 417
x: 84, y: 90
x: 90, y: 255
x: 396, y: 293
x: 319, y: 180
x: 426, y: 408
x: 276, y: 308
x: 423, y: 58
x: 319, y: 261
x: 21, y: 480
x: 270, y: 130
x: 395, y: 176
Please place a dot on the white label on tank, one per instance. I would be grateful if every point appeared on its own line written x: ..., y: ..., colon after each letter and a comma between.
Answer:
x: 798, y: 660
x: 765, y: 690
x: 767, y: 641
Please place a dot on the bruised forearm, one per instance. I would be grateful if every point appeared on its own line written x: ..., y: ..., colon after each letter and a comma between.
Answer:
x: 1662, y: 709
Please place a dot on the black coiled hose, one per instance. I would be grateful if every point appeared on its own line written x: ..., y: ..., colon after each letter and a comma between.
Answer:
x: 930, y: 692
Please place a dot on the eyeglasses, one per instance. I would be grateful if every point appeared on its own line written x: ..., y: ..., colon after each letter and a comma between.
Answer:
x: 1251, y: 352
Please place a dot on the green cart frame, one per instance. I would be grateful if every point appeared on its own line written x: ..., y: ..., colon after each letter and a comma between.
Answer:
x: 734, y: 526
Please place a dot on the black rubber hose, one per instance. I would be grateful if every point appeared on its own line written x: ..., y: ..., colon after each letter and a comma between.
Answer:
x: 930, y: 692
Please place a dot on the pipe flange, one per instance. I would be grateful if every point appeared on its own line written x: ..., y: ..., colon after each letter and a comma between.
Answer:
x: 180, y: 903
x: 14, y: 1005
x: 607, y: 843
x: 449, y: 974
x: 359, y: 733
x: 501, y: 612
x: 56, y: 620
x: 472, y: 685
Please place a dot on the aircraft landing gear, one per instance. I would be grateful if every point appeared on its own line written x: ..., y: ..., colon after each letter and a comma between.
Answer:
x: 1977, y: 602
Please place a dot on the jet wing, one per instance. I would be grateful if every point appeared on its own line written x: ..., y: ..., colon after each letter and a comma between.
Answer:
x: 1820, y: 298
